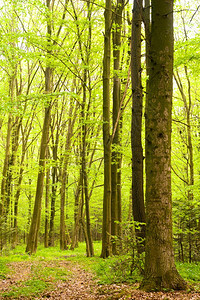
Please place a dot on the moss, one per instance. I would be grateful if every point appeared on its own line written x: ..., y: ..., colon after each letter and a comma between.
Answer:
x: 171, y: 280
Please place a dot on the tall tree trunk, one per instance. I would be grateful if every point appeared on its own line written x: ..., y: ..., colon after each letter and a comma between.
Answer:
x: 3, y: 184
x: 85, y: 57
x: 88, y: 235
x: 115, y: 188
x: 64, y: 173
x: 35, y: 222
x: 192, y: 222
x: 8, y: 162
x: 136, y: 127
x: 160, y: 269
x: 77, y: 215
x: 106, y: 229
x: 16, y: 199
x: 47, y: 194
x: 54, y: 176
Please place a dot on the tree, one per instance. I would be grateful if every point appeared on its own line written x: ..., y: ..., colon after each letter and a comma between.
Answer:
x: 106, y: 229
x: 160, y: 269
x: 35, y: 222
x: 136, y: 127
x: 116, y: 156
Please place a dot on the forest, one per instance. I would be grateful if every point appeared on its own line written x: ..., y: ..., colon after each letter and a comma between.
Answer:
x: 99, y: 149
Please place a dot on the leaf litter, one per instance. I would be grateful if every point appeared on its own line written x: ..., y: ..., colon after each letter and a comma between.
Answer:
x: 77, y: 283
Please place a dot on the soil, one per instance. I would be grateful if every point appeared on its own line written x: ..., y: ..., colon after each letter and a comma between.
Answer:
x: 80, y: 284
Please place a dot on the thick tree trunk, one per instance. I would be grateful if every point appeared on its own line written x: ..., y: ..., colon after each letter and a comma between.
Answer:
x: 160, y: 269
x: 136, y: 128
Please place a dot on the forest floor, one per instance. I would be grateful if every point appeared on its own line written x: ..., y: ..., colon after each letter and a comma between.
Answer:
x: 65, y: 279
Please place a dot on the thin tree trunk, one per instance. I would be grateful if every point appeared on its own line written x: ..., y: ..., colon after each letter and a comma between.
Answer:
x: 191, y: 224
x: 136, y: 128
x: 77, y: 216
x: 47, y: 196
x: 88, y: 236
x: 106, y: 228
x: 8, y: 162
x: 64, y: 174
x: 54, y: 176
x: 16, y: 200
x: 115, y: 187
x: 35, y: 222
x: 3, y: 184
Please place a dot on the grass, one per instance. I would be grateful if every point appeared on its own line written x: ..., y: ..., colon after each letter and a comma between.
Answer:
x: 47, y: 269
x: 4, y: 270
x: 115, y: 270
x: 30, y: 288
x: 191, y: 273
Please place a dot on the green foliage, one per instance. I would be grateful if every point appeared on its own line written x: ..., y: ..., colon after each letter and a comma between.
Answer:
x: 190, y: 271
x: 116, y: 269
x: 30, y: 288
x: 3, y: 269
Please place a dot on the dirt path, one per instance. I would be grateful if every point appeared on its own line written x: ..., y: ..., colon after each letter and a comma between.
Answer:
x: 79, y: 284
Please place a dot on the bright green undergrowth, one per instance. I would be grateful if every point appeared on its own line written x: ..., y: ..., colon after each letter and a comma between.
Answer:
x: 116, y: 269
x: 46, y: 269
x: 190, y: 272
x: 30, y: 288
x: 3, y: 269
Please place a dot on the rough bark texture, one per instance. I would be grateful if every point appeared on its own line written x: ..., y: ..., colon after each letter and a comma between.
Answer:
x: 160, y: 270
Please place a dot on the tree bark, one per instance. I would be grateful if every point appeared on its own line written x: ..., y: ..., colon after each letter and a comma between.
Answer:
x: 106, y: 229
x: 160, y: 269
x: 9, y: 160
x: 88, y: 235
x: 136, y: 128
x: 191, y: 220
x: 35, y: 222
x: 115, y: 179
x: 46, y: 225
x: 77, y: 215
